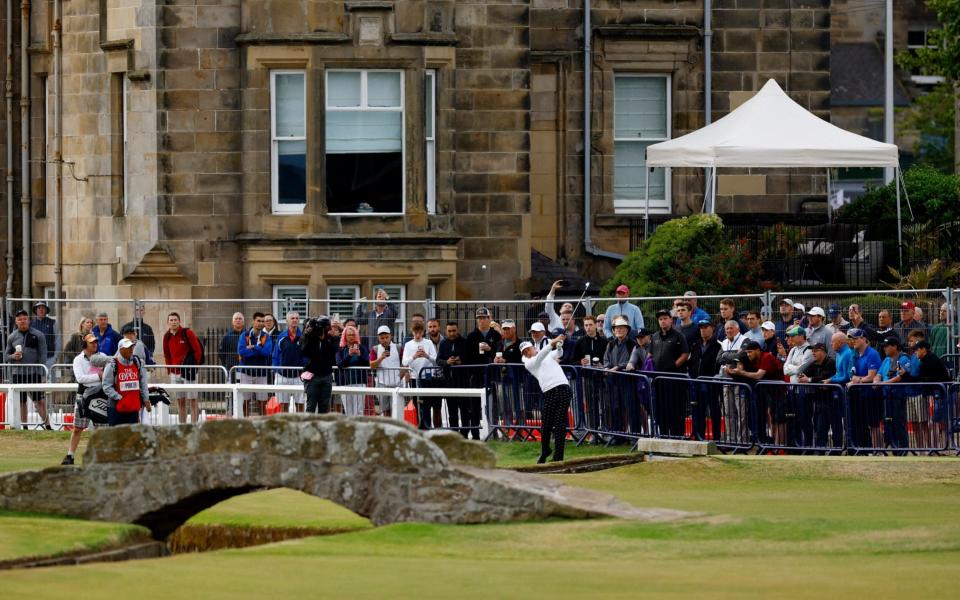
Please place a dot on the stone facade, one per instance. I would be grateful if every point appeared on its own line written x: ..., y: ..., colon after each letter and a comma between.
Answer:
x: 181, y: 207
x: 159, y: 477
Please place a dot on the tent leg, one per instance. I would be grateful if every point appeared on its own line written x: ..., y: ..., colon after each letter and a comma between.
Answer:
x: 899, y: 219
x: 646, y: 202
x: 713, y: 193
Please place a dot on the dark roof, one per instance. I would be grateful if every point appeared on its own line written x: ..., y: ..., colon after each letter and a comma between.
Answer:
x: 856, y: 76
x: 546, y: 270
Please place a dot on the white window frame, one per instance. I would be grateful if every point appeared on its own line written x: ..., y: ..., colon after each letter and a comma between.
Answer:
x: 398, y: 295
x: 430, y: 141
x: 280, y: 297
x: 364, y: 108
x: 431, y: 300
x: 277, y: 207
x: 49, y: 294
x: 639, y: 208
x: 926, y: 31
x: 354, y: 289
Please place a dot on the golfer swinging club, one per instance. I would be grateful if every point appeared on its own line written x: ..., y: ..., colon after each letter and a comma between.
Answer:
x: 545, y: 366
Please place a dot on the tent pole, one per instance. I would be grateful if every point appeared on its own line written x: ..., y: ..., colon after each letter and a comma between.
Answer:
x: 713, y: 192
x: 646, y: 202
x: 899, y: 219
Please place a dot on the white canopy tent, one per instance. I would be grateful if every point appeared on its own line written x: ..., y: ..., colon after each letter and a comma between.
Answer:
x: 771, y: 130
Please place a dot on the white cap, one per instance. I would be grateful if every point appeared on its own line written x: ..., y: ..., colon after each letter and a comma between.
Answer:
x: 768, y: 325
x: 816, y: 310
x: 525, y: 345
x: 538, y: 326
x: 383, y: 329
x: 800, y: 307
x: 126, y: 343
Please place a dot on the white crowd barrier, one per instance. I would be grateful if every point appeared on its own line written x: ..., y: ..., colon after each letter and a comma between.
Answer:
x: 160, y: 415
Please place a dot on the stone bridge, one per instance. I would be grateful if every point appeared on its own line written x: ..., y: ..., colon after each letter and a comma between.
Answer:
x: 384, y: 470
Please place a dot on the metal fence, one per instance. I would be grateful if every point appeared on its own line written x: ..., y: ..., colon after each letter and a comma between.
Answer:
x: 211, y: 320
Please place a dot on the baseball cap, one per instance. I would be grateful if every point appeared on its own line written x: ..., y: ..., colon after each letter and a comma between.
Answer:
x: 704, y: 323
x: 907, y: 305
x: 556, y: 332
x: 922, y: 344
x: 125, y: 343
x: 768, y: 325
x: 663, y: 313
x: 525, y: 345
x: 834, y: 310
x: 383, y: 329
x: 623, y: 288
x: 543, y: 315
x: 128, y: 328
x: 620, y: 322
x: 40, y: 303
x: 855, y: 333
x: 22, y: 312
x: 796, y: 330
x: 508, y: 324
x: 800, y: 307
x: 643, y: 332
x: 750, y: 345
x: 787, y: 301
x: 816, y: 310
x: 538, y: 326
x: 482, y: 312
x: 891, y: 341
x: 820, y: 346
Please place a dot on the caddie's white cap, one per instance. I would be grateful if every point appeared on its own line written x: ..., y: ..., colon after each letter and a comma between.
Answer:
x: 383, y: 329
x: 525, y: 345
x: 126, y: 343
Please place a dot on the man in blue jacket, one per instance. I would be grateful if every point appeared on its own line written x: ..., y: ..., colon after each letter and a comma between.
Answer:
x: 107, y: 337
x: 631, y: 312
x: 256, y: 350
x: 287, y: 353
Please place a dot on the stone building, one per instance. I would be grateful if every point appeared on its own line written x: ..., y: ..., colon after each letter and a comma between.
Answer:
x: 227, y: 149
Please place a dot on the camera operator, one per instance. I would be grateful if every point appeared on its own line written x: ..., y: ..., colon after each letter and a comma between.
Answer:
x: 320, y: 349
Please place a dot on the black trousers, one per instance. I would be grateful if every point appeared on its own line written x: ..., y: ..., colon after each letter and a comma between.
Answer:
x: 319, y: 390
x: 553, y: 415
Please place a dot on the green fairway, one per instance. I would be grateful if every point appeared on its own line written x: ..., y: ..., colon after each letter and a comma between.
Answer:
x: 782, y: 527
x: 20, y: 450
x: 523, y: 454
x: 793, y: 527
x: 23, y: 536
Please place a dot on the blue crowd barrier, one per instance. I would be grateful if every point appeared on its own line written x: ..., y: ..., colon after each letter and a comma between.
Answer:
x: 770, y: 416
x: 806, y: 417
x: 616, y: 404
x: 900, y: 418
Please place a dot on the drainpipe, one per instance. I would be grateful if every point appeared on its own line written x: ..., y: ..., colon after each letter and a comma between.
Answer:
x: 57, y: 151
x: 25, y: 144
x: 587, y: 63
x: 708, y: 83
x: 8, y: 95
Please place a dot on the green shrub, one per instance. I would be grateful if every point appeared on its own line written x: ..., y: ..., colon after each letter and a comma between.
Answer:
x: 934, y: 196
x: 687, y: 253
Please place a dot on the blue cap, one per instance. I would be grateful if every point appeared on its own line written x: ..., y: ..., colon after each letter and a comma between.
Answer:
x: 704, y: 323
x: 833, y: 310
x: 855, y: 333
